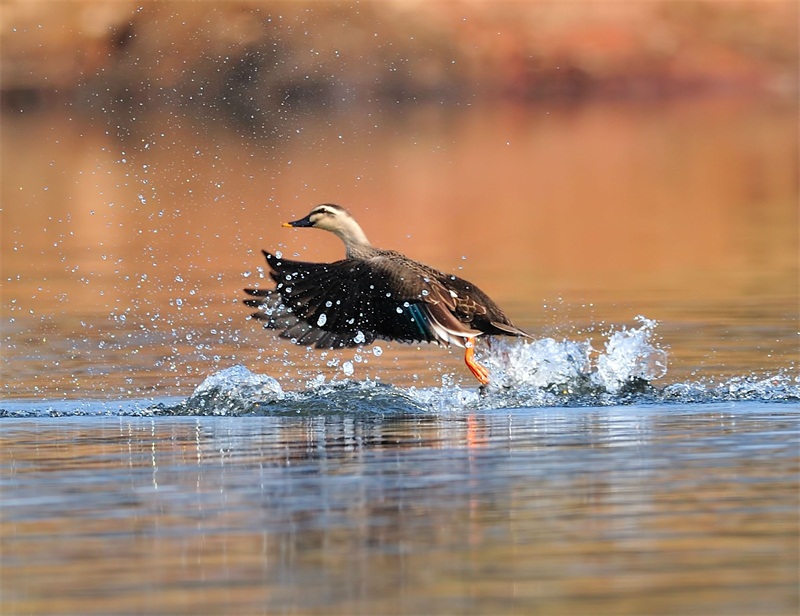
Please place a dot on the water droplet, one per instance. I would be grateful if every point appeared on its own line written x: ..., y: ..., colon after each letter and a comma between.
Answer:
x: 347, y: 368
x: 322, y: 319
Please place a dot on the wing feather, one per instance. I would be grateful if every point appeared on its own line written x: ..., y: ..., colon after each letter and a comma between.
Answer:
x: 355, y: 301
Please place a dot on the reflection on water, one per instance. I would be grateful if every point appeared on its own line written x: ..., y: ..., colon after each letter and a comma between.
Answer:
x: 123, y: 257
x: 619, y: 510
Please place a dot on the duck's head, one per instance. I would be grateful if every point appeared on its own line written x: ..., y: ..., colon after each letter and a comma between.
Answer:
x: 337, y: 220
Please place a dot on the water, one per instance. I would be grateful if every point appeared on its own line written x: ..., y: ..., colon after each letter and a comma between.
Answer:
x: 686, y: 508
x: 161, y: 454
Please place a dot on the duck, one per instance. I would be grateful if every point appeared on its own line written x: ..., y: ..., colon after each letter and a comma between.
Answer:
x: 372, y: 294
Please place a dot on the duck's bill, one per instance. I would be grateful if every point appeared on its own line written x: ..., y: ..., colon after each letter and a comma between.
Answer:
x: 303, y: 222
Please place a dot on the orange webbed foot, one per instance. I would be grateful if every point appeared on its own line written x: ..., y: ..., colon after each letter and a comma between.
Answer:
x: 480, y: 372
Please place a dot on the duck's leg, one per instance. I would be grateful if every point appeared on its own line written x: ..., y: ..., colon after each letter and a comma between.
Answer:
x: 480, y: 372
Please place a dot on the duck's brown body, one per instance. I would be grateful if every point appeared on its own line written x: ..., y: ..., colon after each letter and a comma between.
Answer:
x: 372, y: 294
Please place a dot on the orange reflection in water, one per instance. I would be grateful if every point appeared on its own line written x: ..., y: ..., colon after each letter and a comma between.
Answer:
x: 685, y: 212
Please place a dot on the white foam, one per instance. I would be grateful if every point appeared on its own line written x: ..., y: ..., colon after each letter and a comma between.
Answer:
x: 238, y: 383
x: 628, y: 354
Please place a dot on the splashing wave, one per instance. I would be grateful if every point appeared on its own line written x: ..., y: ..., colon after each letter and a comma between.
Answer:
x: 542, y: 373
x: 630, y: 357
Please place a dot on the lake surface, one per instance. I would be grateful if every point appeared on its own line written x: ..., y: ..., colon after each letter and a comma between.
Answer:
x: 620, y: 510
x: 162, y: 454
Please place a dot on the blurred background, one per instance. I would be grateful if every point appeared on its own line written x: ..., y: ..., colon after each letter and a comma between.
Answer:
x: 583, y: 162
x: 250, y: 59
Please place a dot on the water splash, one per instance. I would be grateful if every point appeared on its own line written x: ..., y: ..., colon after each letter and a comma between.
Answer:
x: 542, y: 373
x: 231, y: 391
x: 629, y: 358
x: 780, y: 387
x: 239, y: 393
x: 631, y: 354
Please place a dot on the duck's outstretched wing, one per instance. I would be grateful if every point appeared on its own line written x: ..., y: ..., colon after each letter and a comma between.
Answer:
x: 354, y: 301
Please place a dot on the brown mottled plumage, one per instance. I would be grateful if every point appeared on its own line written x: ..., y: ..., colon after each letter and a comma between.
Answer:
x: 373, y: 293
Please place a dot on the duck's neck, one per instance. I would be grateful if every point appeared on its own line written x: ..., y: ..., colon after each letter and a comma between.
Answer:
x: 354, y: 238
